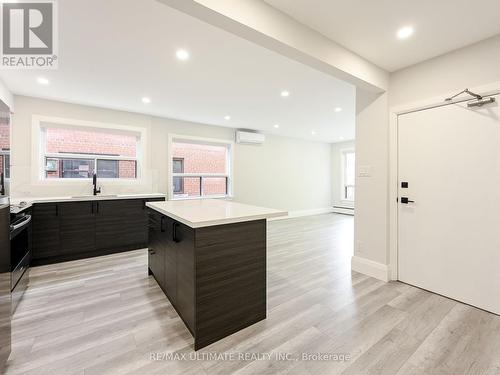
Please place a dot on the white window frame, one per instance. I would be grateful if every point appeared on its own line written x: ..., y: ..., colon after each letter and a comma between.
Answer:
x: 40, y: 123
x: 8, y: 153
x: 343, y: 153
x: 172, y: 138
x: 4, y: 153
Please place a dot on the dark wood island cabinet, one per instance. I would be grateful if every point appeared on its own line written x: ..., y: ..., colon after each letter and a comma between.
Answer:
x: 212, y: 271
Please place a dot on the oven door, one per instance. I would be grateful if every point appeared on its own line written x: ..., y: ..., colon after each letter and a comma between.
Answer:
x: 20, y: 237
x: 19, y: 225
x: 20, y: 280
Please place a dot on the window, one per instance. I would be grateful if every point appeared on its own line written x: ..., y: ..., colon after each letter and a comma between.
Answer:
x: 200, y: 168
x: 5, y: 164
x: 5, y: 144
x: 76, y: 153
x: 178, y: 166
x: 76, y: 168
x: 348, y: 167
x: 108, y: 168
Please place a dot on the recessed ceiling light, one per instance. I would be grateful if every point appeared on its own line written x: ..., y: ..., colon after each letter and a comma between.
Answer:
x: 313, y: 132
x: 285, y: 93
x: 182, y: 54
x: 338, y: 109
x: 42, y: 81
x: 146, y: 100
x: 341, y: 138
x: 227, y: 117
x: 276, y: 126
x: 405, y: 32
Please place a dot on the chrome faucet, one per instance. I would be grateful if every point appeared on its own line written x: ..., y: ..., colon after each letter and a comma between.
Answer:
x: 94, y: 182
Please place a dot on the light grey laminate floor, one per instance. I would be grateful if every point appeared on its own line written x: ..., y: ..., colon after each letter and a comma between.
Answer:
x: 106, y: 316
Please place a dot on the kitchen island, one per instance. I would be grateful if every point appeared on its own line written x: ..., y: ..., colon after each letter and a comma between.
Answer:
x: 209, y: 257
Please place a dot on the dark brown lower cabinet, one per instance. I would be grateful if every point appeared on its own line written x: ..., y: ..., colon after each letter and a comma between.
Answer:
x: 45, y: 226
x: 215, y: 276
x: 122, y: 225
x: 171, y: 261
x: 182, y: 240
x: 75, y: 230
x: 156, y: 256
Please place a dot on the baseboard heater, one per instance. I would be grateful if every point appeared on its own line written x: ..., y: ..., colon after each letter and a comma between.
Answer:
x: 343, y: 210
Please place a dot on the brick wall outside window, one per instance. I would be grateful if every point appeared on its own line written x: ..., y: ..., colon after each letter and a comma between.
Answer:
x: 127, y: 169
x: 202, y: 159
x: 4, y: 135
x: 90, y: 142
x: 61, y: 141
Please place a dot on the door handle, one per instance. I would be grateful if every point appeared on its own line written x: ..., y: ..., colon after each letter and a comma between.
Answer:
x: 174, y: 233
x: 405, y: 200
x: 25, y: 221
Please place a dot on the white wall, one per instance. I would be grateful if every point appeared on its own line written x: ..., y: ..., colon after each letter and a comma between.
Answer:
x: 337, y: 170
x: 283, y: 173
x: 371, y: 206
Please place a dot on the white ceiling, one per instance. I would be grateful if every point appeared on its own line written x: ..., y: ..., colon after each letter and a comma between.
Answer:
x: 114, y: 52
x: 369, y: 27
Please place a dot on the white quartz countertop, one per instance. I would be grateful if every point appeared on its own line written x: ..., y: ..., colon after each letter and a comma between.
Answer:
x: 30, y: 200
x: 198, y: 213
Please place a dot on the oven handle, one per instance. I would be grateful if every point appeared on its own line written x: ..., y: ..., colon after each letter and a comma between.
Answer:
x: 25, y: 222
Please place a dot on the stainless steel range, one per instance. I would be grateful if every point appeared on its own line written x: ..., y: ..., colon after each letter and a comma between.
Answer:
x: 15, y: 252
x: 20, y: 251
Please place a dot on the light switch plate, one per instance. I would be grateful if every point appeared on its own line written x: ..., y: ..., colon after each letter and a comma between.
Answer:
x: 364, y: 171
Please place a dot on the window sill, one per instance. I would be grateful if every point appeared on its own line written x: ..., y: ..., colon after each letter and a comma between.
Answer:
x: 347, y: 202
x: 194, y: 198
x: 88, y: 181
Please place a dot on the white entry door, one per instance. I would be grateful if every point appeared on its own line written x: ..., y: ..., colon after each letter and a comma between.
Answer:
x: 449, y: 237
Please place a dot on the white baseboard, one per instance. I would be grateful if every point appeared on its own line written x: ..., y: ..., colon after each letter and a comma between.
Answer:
x: 343, y: 210
x: 316, y: 211
x: 369, y: 267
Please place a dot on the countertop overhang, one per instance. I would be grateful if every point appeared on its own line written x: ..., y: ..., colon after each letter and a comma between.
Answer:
x: 29, y: 201
x: 198, y: 213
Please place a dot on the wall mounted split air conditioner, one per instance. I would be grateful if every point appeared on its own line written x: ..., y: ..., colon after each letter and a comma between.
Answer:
x: 249, y: 138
